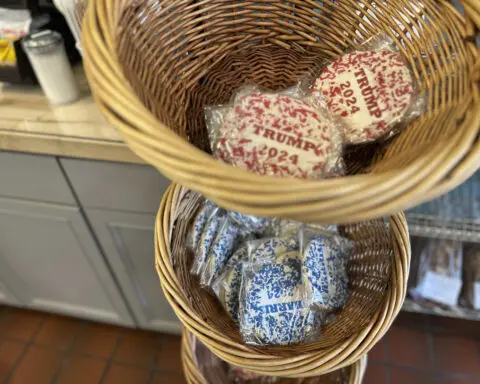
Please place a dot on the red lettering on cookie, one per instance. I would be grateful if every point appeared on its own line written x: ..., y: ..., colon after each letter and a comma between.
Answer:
x: 382, y: 88
x: 282, y: 136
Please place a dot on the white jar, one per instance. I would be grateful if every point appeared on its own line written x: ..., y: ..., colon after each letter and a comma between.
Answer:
x: 47, y: 55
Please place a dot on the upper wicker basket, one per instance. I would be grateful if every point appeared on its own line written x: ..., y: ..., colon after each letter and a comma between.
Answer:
x: 154, y: 64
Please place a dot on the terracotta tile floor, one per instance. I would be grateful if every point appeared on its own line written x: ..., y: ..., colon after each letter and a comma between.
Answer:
x: 426, y: 350
x: 37, y: 348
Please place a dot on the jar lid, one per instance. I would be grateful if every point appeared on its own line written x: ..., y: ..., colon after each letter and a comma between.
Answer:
x: 42, y: 42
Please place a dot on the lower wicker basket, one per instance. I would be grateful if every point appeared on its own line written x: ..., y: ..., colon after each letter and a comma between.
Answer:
x: 194, y: 375
x: 343, y: 342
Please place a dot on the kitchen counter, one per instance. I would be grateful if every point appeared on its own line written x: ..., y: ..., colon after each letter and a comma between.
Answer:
x: 29, y: 124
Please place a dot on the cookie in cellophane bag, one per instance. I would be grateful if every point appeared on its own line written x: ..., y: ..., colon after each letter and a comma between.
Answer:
x: 228, y: 284
x: 324, y: 266
x: 274, y: 305
x: 206, y: 212
x: 226, y: 240
x: 439, y: 277
x: 278, y: 134
x: 203, y: 235
x: 371, y: 90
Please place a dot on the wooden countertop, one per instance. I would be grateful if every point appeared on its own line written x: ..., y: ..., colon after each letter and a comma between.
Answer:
x: 29, y: 124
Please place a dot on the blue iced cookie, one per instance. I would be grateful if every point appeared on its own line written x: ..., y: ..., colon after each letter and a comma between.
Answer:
x: 272, y: 248
x: 251, y: 224
x: 200, y: 223
x: 220, y: 251
x: 324, y: 267
x: 286, y: 227
x: 273, y: 308
x: 203, y: 248
x: 227, y: 285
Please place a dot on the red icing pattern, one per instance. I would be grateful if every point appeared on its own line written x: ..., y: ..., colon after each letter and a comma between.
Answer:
x: 368, y: 90
x: 278, y: 135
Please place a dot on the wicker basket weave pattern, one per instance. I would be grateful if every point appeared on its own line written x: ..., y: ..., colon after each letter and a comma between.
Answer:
x: 194, y: 375
x: 153, y: 65
x: 343, y: 341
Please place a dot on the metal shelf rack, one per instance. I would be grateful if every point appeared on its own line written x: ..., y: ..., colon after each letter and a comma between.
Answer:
x: 454, y: 216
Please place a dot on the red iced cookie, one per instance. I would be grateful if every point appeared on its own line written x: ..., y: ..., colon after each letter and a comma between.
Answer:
x: 279, y: 135
x: 368, y: 90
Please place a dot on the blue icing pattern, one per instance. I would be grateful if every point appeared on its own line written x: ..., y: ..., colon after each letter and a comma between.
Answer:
x: 230, y: 282
x: 220, y: 251
x: 316, y: 271
x: 274, y: 310
x: 270, y: 249
x: 205, y: 243
x: 201, y: 221
x: 325, y: 269
x: 252, y: 224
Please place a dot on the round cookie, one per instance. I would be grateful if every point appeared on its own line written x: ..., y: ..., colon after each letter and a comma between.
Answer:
x: 325, y: 273
x: 227, y: 285
x: 274, y: 310
x: 201, y: 221
x: 279, y: 135
x: 368, y: 91
x: 206, y: 241
x: 250, y: 223
x: 270, y: 250
x: 220, y: 251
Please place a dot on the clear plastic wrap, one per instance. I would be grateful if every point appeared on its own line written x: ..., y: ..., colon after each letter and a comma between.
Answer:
x: 206, y: 212
x: 254, y: 225
x: 277, y: 134
x: 324, y: 267
x: 213, y: 369
x: 239, y: 375
x: 228, y: 284
x: 439, y: 278
x: 205, y: 231
x: 470, y: 297
x: 216, y: 371
x: 227, y: 237
x: 288, y: 227
x: 371, y: 90
x: 274, y: 306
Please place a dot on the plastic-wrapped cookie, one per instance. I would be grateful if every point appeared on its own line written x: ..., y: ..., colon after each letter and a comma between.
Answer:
x: 203, y: 248
x: 325, y: 270
x: 201, y: 220
x: 279, y: 135
x: 220, y: 251
x: 369, y: 91
x: 227, y: 285
x: 273, y: 306
x: 251, y: 224
x: 270, y: 249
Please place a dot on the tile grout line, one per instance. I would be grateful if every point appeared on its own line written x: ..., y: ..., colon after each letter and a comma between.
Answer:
x: 153, y: 368
x: 110, y: 360
x: 95, y: 357
x: 68, y: 353
x: 387, y: 358
x: 27, y: 346
x: 431, y: 352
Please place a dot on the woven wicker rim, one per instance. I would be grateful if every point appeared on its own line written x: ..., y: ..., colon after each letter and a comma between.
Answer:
x: 446, y: 164
x: 304, y: 364
x: 194, y: 376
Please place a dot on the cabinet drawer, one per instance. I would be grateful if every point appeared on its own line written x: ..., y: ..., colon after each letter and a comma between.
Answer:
x: 115, y: 186
x: 33, y: 177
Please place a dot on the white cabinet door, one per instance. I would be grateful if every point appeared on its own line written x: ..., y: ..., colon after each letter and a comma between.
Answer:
x: 49, y: 259
x: 127, y: 240
x: 6, y: 296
